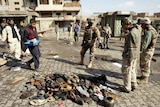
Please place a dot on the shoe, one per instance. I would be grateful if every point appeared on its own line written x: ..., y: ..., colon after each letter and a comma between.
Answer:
x: 80, y: 63
x: 18, y: 59
x: 38, y: 102
x: 89, y: 65
x: 26, y: 94
x: 133, y: 88
x: 143, y: 80
x: 123, y: 89
x: 5, y: 55
x: 82, y: 91
x: 140, y: 77
x: 29, y: 65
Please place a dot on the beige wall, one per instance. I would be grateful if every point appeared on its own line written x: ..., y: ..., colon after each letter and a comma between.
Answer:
x: 12, y: 5
x: 44, y: 23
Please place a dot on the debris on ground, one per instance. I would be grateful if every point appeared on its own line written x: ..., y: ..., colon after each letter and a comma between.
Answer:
x: 78, y: 88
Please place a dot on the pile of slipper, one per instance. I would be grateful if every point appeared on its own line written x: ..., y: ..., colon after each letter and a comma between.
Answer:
x: 78, y: 88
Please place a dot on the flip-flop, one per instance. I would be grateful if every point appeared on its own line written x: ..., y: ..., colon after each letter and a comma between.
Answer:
x: 26, y: 94
x: 65, y: 87
x: 38, y: 102
x: 16, y: 80
x: 50, y: 99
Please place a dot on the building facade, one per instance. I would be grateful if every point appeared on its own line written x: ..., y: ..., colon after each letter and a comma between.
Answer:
x: 18, y: 10
x: 114, y: 19
x: 46, y: 12
x: 56, y: 11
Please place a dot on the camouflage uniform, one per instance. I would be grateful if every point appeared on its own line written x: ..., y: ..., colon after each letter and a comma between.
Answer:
x: 148, y: 42
x: 91, y: 34
x: 130, y: 56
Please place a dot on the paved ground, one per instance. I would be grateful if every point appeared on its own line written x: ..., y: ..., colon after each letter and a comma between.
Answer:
x: 145, y: 96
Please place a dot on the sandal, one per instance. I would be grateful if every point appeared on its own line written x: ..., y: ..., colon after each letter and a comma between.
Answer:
x: 50, y: 99
x: 38, y: 102
x: 73, y: 79
x: 65, y: 87
x: 26, y: 94
x: 16, y: 80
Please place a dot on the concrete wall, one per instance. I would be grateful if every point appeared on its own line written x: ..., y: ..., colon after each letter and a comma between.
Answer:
x: 45, y: 23
x: 12, y: 5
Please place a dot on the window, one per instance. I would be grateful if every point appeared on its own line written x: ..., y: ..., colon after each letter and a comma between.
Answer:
x: 0, y: 2
x: 17, y: 8
x: 57, y: 1
x: 69, y: 13
x: 16, y: 3
x: 46, y: 14
x: 58, y: 14
x: 44, y: 1
x: 6, y: 2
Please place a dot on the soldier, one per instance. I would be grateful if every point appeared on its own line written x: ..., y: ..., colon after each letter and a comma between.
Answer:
x: 130, y: 55
x: 148, y: 42
x: 108, y: 33
x: 89, y: 42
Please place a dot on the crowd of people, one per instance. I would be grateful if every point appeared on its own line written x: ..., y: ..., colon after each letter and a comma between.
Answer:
x: 18, y: 39
x: 73, y: 31
x: 140, y: 40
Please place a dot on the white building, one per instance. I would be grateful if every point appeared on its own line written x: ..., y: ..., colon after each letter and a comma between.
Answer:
x: 46, y: 12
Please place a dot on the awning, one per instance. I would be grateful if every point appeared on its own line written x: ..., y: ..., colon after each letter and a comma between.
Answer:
x: 13, y: 14
x: 17, y: 13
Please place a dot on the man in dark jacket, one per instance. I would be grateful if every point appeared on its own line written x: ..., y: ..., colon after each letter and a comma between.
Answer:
x: 21, y: 32
x: 30, y: 34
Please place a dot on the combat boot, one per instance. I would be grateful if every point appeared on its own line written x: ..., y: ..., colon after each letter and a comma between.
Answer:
x: 143, y: 80
x: 81, y: 62
x: 89, y: 65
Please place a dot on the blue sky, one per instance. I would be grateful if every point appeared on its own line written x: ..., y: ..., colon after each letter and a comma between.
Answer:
x: 91, y: 6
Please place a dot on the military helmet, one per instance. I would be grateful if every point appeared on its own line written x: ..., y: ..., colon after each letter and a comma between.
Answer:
x: 145, y: 20
x: 90, y: 20
x: 126, y: 21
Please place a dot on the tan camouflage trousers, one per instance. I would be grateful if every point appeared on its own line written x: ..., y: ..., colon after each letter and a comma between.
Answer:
x: 92, y: 49
x: 129, y: 73
x: 145, y: 62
